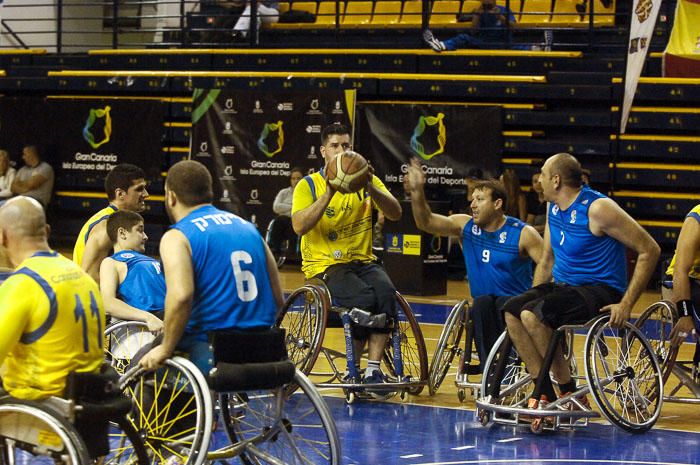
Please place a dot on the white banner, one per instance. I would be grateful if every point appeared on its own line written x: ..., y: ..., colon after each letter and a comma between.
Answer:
x: 642, y: 25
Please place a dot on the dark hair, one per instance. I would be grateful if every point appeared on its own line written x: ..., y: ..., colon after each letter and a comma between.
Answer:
x: 568, y: 168
x: 475, y: 173
x: 121, y: 219
x: 191, y: 182
x: 296, y: 169
x: 496, y: 188
x: 122, y: 177
x: 333, y: 129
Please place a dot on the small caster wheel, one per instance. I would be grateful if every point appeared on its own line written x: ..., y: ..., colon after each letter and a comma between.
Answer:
x: 461, y: 395
x: 403, y: 395
x: 484, y: 417
x: 537, y: 425
x: 349, y: 397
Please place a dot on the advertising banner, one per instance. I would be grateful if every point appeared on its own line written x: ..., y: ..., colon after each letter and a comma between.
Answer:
x: 84, y: 138
x: 251, y: 140
x: 682, y: 54
x: 448, y: 140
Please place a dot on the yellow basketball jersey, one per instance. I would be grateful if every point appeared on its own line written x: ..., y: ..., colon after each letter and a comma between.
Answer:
x: 344, y: 232
x: 52, y: 319
x: 695, y: 269
x: 79, y: 247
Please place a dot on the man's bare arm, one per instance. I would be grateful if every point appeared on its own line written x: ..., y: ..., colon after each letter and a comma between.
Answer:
x: 97, y: 248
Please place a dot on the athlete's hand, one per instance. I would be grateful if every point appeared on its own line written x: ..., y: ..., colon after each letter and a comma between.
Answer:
x: 154, y: 358
x: 681, y: 330
x: 619, y: 313
x: 155, y: 324
x: 416, y: 176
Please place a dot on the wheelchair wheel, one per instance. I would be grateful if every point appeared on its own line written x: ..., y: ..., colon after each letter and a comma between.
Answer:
x: 449, y: 345
x: 414, y: 357
x: 656, y: 323
x: 33, y: 434
x: 514, y: 388
x: 172, y: 410
x: 125, y: 446
x: 295, y: 429
x: 624, y: 375
x: 303, y: 316
x: 123, y: 340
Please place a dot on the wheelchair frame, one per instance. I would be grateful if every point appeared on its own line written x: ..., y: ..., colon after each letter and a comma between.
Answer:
x: 259, y: 422
x: 456, y: 340
x: 656, y: 322
x: 614, y: 384
x: 405, y: 362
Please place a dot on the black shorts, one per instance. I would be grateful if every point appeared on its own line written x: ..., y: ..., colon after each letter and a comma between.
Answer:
x: 362, y: 285
x: 560, y: 304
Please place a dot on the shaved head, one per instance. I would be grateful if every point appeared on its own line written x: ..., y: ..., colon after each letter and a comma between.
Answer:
x: 567, y: 167
x: 23, y: 217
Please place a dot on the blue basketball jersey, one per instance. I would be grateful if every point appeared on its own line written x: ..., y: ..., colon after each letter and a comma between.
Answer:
x: 232, y: 288
x: 493, y: 260
x: 580, y: 258
x: 144, y: 285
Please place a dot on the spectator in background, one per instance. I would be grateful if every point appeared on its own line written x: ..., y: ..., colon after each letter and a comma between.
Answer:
x: 490, y: 29
x: 35, y: 178
x: 536, y: 205
x: 268, y: 13
x: 282, y: 206
x: 516, y: 205
x: 586, y: 176
x: 7, y: 175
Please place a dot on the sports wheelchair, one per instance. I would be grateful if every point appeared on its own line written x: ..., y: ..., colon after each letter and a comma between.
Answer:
x: 457, y: 341
x: 621, y: 370
x: 308, y: 315
x: 290, y: 247
x: 681, y: 375
x: 88, y: 425
x: 264, y: 420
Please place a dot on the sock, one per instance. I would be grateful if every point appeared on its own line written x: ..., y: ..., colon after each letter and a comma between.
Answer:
x: 567, y: 387
x: 548, y: 391
x: 372, y: 366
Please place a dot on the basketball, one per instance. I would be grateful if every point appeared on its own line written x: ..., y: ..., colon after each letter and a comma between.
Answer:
x: 347, y: 172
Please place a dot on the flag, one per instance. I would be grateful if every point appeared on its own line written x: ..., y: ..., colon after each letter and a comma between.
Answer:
x: 682, y: 54
x: 642, y: 24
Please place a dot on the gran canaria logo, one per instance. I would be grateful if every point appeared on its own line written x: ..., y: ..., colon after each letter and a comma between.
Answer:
x: 96, y: 114
x: 424, y: 121
x: 268, y: 129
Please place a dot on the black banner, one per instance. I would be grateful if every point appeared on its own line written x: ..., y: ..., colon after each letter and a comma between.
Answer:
x: 84, y: 138
x: 251, y: 140
x: 449, y: 140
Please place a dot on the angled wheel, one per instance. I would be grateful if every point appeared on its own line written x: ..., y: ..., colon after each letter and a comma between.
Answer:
x: 414, y: 359
x: 303, y: 317
x: 33, y: 434
x: 656, y: 323
x: 172, y: 410
x: 449, y: 345
x: 123, y: 340
x: 125, y: 445
x: 624, y: 375
x: 294, y: 429
x: 503, y: 366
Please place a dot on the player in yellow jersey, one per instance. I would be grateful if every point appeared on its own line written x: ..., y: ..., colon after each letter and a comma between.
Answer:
x: 126, y: 190
x: 685, y: 269
x: 336, y: 244
x: 51, y: 311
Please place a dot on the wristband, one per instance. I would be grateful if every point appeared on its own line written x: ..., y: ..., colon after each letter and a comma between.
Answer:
x: 685, y: 308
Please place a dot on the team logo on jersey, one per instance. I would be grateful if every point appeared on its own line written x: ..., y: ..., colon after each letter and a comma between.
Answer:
x: 476, y: 230
x: 128, y: 255
x: 337, y: 254
x: 330, y: 212
x: 502, y: 237
x: 555, y: 210
x: 573, y: 217
x: 95, y: 115
x: 585, y: 202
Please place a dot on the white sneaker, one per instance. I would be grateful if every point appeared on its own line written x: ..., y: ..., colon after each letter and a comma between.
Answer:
x: 437, y: 45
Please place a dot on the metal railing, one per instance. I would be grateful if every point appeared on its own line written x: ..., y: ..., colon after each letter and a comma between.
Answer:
x: 66, y: 26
